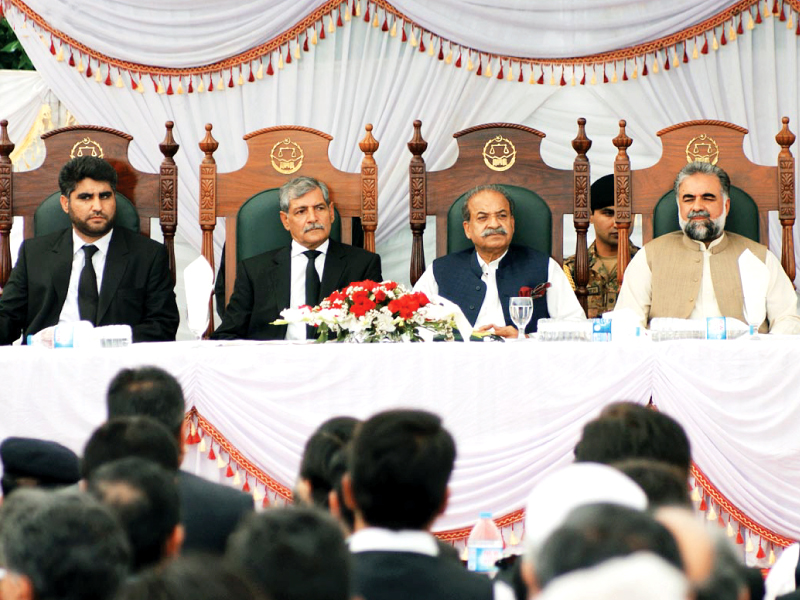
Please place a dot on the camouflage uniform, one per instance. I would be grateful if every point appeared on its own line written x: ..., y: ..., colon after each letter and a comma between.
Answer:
x: 602, y: 287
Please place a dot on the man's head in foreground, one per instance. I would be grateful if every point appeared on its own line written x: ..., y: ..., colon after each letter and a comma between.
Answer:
x: 400, y: 465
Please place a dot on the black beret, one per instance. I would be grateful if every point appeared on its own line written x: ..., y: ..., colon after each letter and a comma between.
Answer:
x: 603, y: 192
x: 49, y: 463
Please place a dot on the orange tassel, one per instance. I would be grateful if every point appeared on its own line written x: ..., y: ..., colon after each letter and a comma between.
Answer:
x: 739, y: 538
x: 760, y: 554
x: 211, y: 455
x: 229, y: 472
x: 703, y: 507
x: 246, y: 486
x: 265, y: 502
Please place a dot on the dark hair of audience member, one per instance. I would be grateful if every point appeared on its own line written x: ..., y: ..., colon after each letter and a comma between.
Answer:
x: 337, y: 468
x: 147, y: 391
x: 595, y: 533
x: 400, y: 464
x: 68, y: 545
x: 329, y: 437
x: 130, y: 436
x: 292, y: 553
x: 144, y: 496
x: 664, y: 484
x: 195, y: 577
x: 626, y: 430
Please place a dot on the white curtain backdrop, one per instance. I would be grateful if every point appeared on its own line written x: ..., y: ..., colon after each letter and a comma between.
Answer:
x: 360, y: 74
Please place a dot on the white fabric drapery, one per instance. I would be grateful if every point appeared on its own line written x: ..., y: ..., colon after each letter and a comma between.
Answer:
x: 360, y: 74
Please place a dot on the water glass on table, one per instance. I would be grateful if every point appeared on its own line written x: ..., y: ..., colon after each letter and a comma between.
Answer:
x: 521, y: 310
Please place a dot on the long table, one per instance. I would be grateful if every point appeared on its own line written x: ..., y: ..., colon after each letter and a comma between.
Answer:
x: 516, y: 410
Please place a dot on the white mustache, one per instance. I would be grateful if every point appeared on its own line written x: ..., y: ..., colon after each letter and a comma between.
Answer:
x: 698, y: 213
x: 496, y: 231
x: 312, y: 226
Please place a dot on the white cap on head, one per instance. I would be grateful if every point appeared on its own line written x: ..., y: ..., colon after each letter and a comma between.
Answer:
x: 577, y: 484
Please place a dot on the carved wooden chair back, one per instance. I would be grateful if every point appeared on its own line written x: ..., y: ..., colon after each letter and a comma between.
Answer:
x: 755, y: 189
x: 508, y: 155
x: 34, y: 195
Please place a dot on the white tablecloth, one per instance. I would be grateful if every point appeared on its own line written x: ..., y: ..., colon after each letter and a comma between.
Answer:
x: 516, y: 409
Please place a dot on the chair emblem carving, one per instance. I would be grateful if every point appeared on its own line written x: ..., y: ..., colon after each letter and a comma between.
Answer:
x: 86, y: 147
x: 702, y: 149
x: 499, y: 154
x: 286, y: 157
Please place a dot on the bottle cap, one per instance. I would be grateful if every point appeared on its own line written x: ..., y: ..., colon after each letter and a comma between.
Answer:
x: 486, y: 515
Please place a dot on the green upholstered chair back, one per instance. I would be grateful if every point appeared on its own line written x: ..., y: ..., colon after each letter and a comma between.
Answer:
x: 259, y: 228
x: 532, y: 221
x: 742, y: 218
x: 50, y: 217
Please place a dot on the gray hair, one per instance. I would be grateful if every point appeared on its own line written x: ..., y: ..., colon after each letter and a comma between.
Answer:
x: 300, y: 186
x: 705, y: 168
x: 485, y: 188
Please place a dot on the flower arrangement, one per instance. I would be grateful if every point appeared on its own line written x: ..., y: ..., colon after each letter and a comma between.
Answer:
x: 367, y: 311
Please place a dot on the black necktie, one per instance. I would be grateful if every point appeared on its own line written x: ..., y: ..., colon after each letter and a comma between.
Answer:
x: 87, y: 287
x: 312, y: 287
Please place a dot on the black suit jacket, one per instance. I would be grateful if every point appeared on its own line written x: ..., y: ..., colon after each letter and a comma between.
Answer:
x: 137, y: 288
x: 209, y: 512
x: 263, y: 288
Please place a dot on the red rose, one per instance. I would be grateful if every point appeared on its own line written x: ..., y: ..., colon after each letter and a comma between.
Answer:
x: 360, y: 307
x: 380, y: 295
x: 359, y: 295
x: 389, y: 285
x: 422, y: 299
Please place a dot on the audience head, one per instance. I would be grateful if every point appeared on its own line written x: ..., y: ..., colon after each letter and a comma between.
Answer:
x: 307, y: 212
x: 144, y: 496
x: 130, y: 436
x: 574, y: 485
x: 488, y: 216
x: 400, y: 464
x: 29, y: 462
x: 314, y: 484
x: 337, y: 469
x: 595, y: 533
x: 197, y: 577
x: 664, y: 484
x: 60, y: 546
x: 147, y: 392
x: 702, y: 191
x: 292, y: 553
x: 626, y: 430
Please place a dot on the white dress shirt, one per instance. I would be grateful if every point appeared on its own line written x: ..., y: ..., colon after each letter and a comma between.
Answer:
x: 70, y: 312
x: 637, y: 293
x: 561, y: 300
x: 297, y: 331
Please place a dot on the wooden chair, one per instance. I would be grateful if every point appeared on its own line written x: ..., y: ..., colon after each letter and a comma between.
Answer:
x: 508, y: 155
x: 34, y: 195
x: 248, y: 198
x: 755, y: 189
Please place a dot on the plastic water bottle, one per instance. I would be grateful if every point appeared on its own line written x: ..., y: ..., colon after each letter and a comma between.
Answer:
x: 484, y: 546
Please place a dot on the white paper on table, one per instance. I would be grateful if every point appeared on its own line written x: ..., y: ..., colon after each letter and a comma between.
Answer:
x: 755, y: 280
x: 198, y: 278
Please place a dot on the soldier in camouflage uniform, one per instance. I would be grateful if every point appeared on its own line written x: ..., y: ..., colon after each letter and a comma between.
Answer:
x: 603, y: 287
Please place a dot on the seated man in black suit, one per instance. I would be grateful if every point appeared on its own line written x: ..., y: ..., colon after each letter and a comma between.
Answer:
x: 482, y: 280
x: 305, y: 272
x: 209, y: 511
x: 400, y: 466
x: 94, y: 271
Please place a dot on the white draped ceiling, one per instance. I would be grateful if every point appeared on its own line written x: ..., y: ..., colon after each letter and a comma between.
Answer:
x: 359, y: 74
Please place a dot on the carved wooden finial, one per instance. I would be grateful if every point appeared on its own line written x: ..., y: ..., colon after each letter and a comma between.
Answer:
x: 785, y: 137
x: 208, y: 144
x: 581, y: 143
x: 417, y: 145
x: 169, y: 147
x: 6, y: 145
x: 369, y: 145
x: 622, y: 141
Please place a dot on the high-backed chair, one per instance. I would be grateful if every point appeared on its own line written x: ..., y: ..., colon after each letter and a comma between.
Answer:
x: 509, y: 155
x: 755, y: 190
x: 34, y: 195
x: 248, y: 198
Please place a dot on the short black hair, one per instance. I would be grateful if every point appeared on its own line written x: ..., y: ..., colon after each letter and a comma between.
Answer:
x: 628, y: 430
x: 594, y: 533
x: 400, y: 464
x: 602, y: 193
x: 68, y: 545
x: 337, y: 469
x: 664, y: 484
x: 149, y: 392
x: 85, y: 167
x: 329, y: 437
x: 144, y: 496
x: 130, y: 436
x: 195, y: 577
x: 292, y: 553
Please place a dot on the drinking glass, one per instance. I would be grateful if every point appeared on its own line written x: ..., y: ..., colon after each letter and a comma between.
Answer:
x: 521, y: 311
x: 197, y: 326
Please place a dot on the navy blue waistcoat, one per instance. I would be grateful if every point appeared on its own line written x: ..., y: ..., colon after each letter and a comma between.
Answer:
x: 458, y: 276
